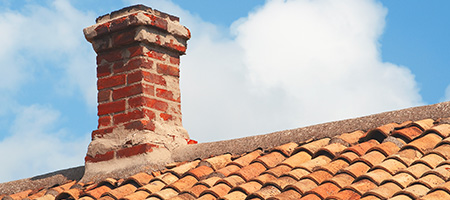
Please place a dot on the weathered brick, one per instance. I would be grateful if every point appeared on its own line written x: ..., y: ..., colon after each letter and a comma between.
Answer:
x: 174, y: 60
x: 189, y: 141
x: 136, y: 51
x: 168, y: 70
x: 156, y: 55
x: 104, y: 121
x: 174, y: 46
x: 109, y: 56
x: 123, y: 38
x: 157, y: 21
x: 111, y: 107
x: 100, y: 157
x: 119, y: 23
x: 110, y: 82
x: 135, y: 150
x: 133, y: 115
x: 134, y: 64
x: 132, y: 90
x: 165, y: 94
x: 141, y: 101
x: 165, y: 116
x: 103, y: 70
x: 99, y: 133
x: 141, y: 125
x: 104, y: 95
x: 102, y: 28
x: 147, y: 76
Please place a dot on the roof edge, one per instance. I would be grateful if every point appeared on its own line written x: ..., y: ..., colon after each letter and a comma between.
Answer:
x: 314, y: 132
x: 46, y: 180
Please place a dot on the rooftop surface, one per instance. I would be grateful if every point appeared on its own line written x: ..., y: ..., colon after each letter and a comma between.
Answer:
x: 400, y: 155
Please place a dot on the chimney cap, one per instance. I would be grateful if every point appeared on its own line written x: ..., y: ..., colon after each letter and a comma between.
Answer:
x: 133, y: 9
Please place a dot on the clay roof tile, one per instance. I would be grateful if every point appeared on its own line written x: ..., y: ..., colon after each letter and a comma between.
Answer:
x: 362, y: 186
x: 279, y: 170
x: 265, y: 192
x: 286, y: 195
x: 408, y: 133
x: 302, y: 186
x: 297, y: 159
x: 248, y: 187
x: 217, y: 162
x: 246, y: 159
x: 384, y: 191
x: 139, y: 178
x: 376, y: 176
x: 121, y: 191
x: 270, y: 160
x: 286, y: 149
x: 312, y: 147
x: 232, y: 181
x: 200, y: 172
x: 351, y: 138
x: 423, y: 124
x: 183, y: 183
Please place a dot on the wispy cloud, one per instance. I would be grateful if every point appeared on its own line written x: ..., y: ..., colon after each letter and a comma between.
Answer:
x: 38, y: 145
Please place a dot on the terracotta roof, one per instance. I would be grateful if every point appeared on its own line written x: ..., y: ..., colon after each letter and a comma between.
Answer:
x: 407, y: 160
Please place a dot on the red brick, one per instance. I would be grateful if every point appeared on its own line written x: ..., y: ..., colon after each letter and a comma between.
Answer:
x: 175, y: 47
x: 103, y: 95
x: 141, y: 125
x: 168, y: 70
x: 109, y: 56
x: 141, y: 101
x: 103, y: 70
x: 99, y: 133
x: 100, y: 157
x: 155, y: 55
x: 134, y: 64
x: 157, y: 21
x: 102, y: 28
x: 136, y: 51
x: 147, y: 76
x: 110, y: 82
x: 174, y: 60
x: 119, y: 23
x: 165, y: 116
x: 132, y: 90
x: 189, y: 141
x: 133, y: 115
x: 135, y: 150
x: 165, y: 94
x: 111, y: 107
x: 124, y: 38
x: 104, y: 121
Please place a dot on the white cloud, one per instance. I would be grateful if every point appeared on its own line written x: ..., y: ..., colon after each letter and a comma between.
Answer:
x: 288, y: 64
x: 39, y: 40
x: 37, y: 145
x: 42, y: 42
x: 446, y: 94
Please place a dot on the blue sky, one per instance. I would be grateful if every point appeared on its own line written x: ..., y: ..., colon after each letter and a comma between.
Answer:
x: 252, y: 67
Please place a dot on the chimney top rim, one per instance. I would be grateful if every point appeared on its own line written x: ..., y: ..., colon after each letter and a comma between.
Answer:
x: 133, y: 9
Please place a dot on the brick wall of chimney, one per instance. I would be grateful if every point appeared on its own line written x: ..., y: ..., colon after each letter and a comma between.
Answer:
x: 138, y: 56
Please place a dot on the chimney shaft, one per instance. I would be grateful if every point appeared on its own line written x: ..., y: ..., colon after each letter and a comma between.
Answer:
x: 138, y: 56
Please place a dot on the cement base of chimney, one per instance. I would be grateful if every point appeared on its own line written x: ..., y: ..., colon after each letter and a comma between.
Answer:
x: 124, y: 167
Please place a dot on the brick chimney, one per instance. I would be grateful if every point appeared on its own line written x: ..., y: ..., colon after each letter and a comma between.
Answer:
x: 138, y: 56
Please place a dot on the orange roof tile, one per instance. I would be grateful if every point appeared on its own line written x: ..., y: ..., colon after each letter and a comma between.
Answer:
x: 393, y: 161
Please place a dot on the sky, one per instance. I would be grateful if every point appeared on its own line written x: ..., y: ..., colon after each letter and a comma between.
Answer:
x: 252, y: 67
